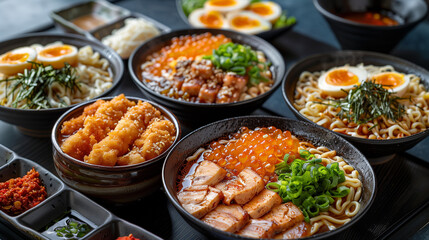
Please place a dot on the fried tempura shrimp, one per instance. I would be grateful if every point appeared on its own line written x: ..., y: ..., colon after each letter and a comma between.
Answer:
x: 158, y: 136
x: 74, y: 124
x: 119, y: 140
x: 96, y: 127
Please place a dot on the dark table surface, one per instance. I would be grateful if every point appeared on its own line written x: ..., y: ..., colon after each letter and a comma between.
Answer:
x: 401, y: 206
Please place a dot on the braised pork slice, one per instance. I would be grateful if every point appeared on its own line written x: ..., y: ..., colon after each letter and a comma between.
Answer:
x: 199, y: 200
x: 227, y: 218
x: 208, y: 173
x: 243, y: 188
x: 233, y: 86
x: 285, y: 216
x: 300, y: 230
x: 262, y: 203
x: 192, y: 86
x: 208, y: 93
x: 258, y: 229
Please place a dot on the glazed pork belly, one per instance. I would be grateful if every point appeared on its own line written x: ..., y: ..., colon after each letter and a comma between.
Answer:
x: 233, y: 86
x: 300, y: 230
x: 227, y: 218
x: 199, y: 200
x: 262, y: 203
x: 243, y: 188
x: 285, y: 216
x: 208, y: 173
x: 258, y: 229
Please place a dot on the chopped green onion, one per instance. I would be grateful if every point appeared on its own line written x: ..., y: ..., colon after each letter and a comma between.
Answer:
x: 241, y: 60
x: 308, y: 183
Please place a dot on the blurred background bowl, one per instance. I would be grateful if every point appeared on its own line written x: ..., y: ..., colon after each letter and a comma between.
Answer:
x: 314, y: 134
x: 117, y: 184
x: 267, y: 35
x: 205, y: 112
x: 371, y: 148
x: 39, y: 122
x: 100, y: 9
x: 357, y: 36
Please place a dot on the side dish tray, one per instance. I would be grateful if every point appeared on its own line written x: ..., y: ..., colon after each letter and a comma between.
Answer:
x: 61, y: 201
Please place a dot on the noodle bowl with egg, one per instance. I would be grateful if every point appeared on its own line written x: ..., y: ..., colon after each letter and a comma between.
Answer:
x: 313, y: 100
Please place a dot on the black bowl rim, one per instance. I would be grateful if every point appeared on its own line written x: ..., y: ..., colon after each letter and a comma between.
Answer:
x: 57, y: 147
x: 186, y: 31
x: 365, y: 53
x: 185, y: 18
x: 61, y: 37
x: 336, y: 18
x: 184, y: 213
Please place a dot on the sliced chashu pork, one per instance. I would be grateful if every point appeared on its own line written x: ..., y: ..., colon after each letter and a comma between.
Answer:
x: 285, y: 216
x: 227, y: 218
x: 258, y: 229
x: 300, y: 230
x: 199, y: 200
x: 262, y: 203
x: 243, y: 188
x: 208, y: 173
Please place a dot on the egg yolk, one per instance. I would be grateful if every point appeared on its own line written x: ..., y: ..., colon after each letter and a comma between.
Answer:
x: 389, y: 80
x: 13, y: 58
x: 211, y: 19
x: 222, y: 3
x: 56, y: 51
x: 341, y: 77
x: 244, y: 22
x: 261, y: 9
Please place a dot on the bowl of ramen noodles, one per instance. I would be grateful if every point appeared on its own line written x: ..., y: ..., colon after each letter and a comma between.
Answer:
x: 265, y: 19
x: 214, y: 72
x: 378, y: 102
x: 267, y: 177
x: 43, y: 75
x: 372, y: 25
x: 113, y: 148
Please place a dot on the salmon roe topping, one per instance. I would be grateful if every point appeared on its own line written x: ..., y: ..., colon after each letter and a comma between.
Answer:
x: 188, y: 46
x: 260, y: 149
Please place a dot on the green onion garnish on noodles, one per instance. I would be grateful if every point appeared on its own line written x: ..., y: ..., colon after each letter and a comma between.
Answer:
x: 29, y: 90
x: 309, y: 184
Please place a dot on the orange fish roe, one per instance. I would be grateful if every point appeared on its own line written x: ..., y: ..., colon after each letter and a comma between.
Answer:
x: 261, y: 149
x: 188, y: 46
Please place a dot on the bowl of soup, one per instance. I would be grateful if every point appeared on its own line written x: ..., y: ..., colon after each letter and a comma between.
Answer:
x: 215, y: 73
x: 371, y: 25
x: 249, y: 177
x: 377, y: 102
x: 113, y: 148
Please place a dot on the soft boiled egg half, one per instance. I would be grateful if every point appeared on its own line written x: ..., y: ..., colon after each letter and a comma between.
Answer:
x: 270, y: 11
x: 57, y: 55
x: 338, y: 81
x: 247, y: 22
x: 393, y: 81
x: 16, y: 61
x: 225, y: 6
x: 207, y: 19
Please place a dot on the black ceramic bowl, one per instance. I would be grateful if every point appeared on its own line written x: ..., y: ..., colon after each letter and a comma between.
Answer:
x: 369, y: 147
x: 357, y: 36
x: 317, y: 135
x: 39, y: 122
x: 117, y: 184
x: 268, y: 35
x: 206, y: 112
